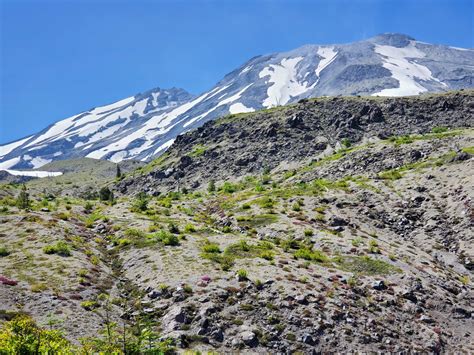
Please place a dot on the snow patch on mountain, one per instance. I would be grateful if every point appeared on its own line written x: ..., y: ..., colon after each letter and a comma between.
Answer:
x: 164, y: 146
x: 239, y: 107
x: 285, y: 82
x: 37, y: 173
x: 402, y: 64
x: 7, y: 148
x: 221, y: 103
x: 327, y: 54
x: 38, y: 162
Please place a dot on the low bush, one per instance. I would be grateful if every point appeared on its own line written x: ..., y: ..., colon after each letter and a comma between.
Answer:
x: 167, y: 238
x: 4, y: 252
x: 311, y: 255
x: 60, y: 248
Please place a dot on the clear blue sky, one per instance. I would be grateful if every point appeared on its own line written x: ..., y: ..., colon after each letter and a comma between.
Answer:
x: 61, y: 57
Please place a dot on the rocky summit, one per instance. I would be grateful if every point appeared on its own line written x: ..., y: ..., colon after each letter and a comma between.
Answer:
x: 143, y: 126
x: 335, y: 224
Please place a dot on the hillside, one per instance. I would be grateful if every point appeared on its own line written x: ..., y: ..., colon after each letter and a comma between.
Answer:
x: 331, y: 225
x: 283, y: 138
x: 143, y: 126
x: 78, y: 176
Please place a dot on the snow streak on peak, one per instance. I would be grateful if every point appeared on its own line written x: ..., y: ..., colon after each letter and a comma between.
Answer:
x: 283, y: 76
x: 402, y: 64
x: 327, y: 54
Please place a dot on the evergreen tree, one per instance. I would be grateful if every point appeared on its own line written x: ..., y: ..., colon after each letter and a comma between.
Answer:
x: 111, y: 198
x: 23, y: 200
x: 118, y: 174
x: 104, y: 194
x: 212, y: 186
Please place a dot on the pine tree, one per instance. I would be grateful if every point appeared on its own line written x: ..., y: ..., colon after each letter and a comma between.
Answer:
x: 104, y: 194
x: 111, y: 198
x: 212, y: 186
x: 23, y: 200
x: 118, y: 174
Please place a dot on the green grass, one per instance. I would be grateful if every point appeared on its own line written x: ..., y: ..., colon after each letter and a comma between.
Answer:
x: 436, y: 133
x: 198, y: 150
x: 153, y: 165
x: 365, y: 265
x: 468, y: 150
x: 257, y: 220
x: 311, y: 255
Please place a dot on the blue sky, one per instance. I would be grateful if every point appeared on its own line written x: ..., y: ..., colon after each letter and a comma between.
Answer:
x: 61, y: 57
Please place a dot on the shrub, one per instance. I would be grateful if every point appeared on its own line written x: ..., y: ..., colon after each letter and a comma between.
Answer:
x: 211, y: 187
x: 135, y: 233
x: 267, y: 255
x: 390, y: 175
x: 346, y: 143
x: 22, y: 336
x: 365, y: 265
x: 356, y: 241
x: 242, y: 274
x: 38, y: 287
x: 23, y: 200
x: 88, y: 207
x: 228, y: 187
x: 4, y: 252
x: 210, y: 247
x: 89, y: 305
x: 312, y: 255
x: 439, y: 129
x: 105, y: 194
x: 141, y: 203
x: 308, y: 232
x: 167, y: 238
x: 124, y: 242
x: 173, y: 228
x: 60, y: 248
x: 189, y: 228
x: 244, y: 245
x: 63, y: 216
x: 464, y: 279
x: 95, y: 260
x: 373, y: 247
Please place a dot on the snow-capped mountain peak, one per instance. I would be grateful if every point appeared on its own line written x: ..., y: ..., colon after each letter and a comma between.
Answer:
x: 145, y: 125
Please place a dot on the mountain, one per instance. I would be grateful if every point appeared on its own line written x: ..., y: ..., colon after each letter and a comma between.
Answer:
x: 333, y: 225
x: 143, y: 126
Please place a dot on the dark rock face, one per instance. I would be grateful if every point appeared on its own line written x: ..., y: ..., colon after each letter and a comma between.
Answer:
x: 263, y: 140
